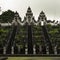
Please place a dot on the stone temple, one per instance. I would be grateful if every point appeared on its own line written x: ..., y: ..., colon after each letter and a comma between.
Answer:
x: 29, y: 36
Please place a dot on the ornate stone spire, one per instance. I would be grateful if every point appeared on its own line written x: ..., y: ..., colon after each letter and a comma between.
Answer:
x: 16, y: 14
x: 16, y: 17
x: 29, y: 16
x: 42, y: 12
x: 42, y: 16
x: 29, y: 12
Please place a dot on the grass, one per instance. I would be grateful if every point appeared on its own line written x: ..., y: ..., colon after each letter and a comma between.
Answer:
x: 33, y: 58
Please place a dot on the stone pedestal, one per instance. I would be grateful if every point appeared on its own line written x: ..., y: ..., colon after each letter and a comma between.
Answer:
x: 40, y: 49
x: 34, y: 49
x: 4, y: 50
x: 55, y: 50
x: 26, y: 49
x: 18, y: 49
x: 12, y: 50
x: 47, y: 50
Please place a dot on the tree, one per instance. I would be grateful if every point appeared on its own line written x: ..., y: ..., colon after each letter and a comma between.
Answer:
x: 7, y: 16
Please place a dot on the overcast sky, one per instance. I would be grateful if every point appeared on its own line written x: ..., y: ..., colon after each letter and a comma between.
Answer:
x: 50, y: 7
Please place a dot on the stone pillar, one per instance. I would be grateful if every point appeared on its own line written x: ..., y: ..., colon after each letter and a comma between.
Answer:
x: 34, y: 49
x: 4, y: 50
x: 55, y: 50
x: 40, y: 49
x: 18, y: 49
x: 47, y: 50
x: 30, y: 43
x: 26, y: 49
x: 12, y: 50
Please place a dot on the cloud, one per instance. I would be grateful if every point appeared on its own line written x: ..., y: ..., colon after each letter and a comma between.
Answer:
x: 50, y: 7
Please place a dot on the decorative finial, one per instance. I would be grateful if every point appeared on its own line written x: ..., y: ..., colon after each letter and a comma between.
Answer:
x: 42, y: 16
x: 42, y: 12
x: 29, y: 12
x: 16, y: 14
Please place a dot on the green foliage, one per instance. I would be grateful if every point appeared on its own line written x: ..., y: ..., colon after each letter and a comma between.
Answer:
x: 7, y: 16
x: 3, y: 34
x: 37, y: 35
x: 53, y: 31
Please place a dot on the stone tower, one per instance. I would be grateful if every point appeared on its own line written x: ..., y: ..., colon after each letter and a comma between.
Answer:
x: 29, y: 16
x: 42, y: 18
